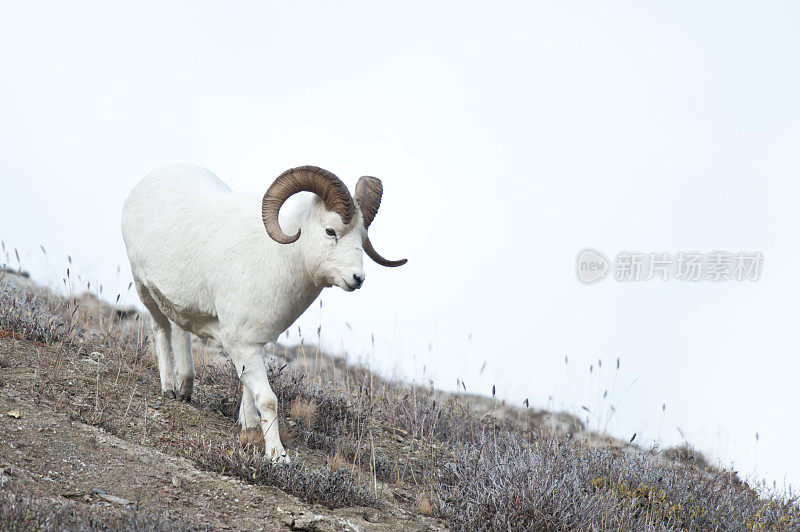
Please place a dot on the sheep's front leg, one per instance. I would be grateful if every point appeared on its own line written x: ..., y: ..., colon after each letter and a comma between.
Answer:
x: 249, y: 362
x: 250, y: 420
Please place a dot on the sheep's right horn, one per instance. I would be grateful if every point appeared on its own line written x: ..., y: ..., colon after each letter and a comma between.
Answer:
x: 369, y: 191
x: 370, y: 251
x: 309, y: 179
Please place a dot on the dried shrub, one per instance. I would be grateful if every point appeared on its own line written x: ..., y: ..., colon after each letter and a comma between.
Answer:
x: 333, y: 489
x: 32, y: 316
x: 514, y: 483
x: 23, y: 513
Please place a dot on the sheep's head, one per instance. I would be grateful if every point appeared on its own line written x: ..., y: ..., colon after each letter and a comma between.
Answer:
x: 336, y: 228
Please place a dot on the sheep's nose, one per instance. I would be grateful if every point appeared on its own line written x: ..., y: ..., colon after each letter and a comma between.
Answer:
x: 358, y: 279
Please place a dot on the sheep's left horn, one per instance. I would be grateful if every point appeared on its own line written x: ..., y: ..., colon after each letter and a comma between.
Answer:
x: 368, y: 197
x: 309, y: 179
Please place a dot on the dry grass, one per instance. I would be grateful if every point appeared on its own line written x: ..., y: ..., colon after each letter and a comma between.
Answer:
x: 303, y: 411
x: 424, y: 504
x: 337, y: 462
x: 361, y: 439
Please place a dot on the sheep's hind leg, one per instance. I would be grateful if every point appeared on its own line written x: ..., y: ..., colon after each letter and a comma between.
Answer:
x: 184, y: 362
x: 161, y: 332
x: 249, y: 362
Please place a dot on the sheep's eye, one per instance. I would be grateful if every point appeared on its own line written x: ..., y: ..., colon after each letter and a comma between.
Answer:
x: 330, y: 232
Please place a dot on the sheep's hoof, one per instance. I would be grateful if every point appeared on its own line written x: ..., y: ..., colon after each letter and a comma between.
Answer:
x: 280, y: 459
x: 252, y: 439
x: 186, y: 390
x: 169, y: 394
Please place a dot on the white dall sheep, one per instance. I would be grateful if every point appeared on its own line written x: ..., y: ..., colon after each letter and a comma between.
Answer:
x: 203, y: 263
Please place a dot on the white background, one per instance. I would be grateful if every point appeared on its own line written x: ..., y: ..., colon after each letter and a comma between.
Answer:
x: 508, y: 138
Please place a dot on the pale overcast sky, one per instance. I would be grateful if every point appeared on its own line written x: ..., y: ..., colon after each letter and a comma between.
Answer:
x: 509, y: 136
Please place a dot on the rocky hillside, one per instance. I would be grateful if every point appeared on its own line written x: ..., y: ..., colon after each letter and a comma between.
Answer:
x: 87, y: 442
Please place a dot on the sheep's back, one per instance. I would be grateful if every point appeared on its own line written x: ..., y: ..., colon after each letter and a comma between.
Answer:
x: 175, y: 223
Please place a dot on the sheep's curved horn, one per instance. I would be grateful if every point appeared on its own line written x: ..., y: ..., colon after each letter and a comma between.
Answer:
x: 368, y: 197
x: 370, y: 251
x: 309, y: 179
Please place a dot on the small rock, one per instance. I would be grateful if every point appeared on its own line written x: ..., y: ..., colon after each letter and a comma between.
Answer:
x: 114, y: 499
x: 312, y: 523
x: 14, y: 413
x: 371, y: 517
x: 176, y: 481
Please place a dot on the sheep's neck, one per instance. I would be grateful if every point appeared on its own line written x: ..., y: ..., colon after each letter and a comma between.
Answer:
x: 294, y: 287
